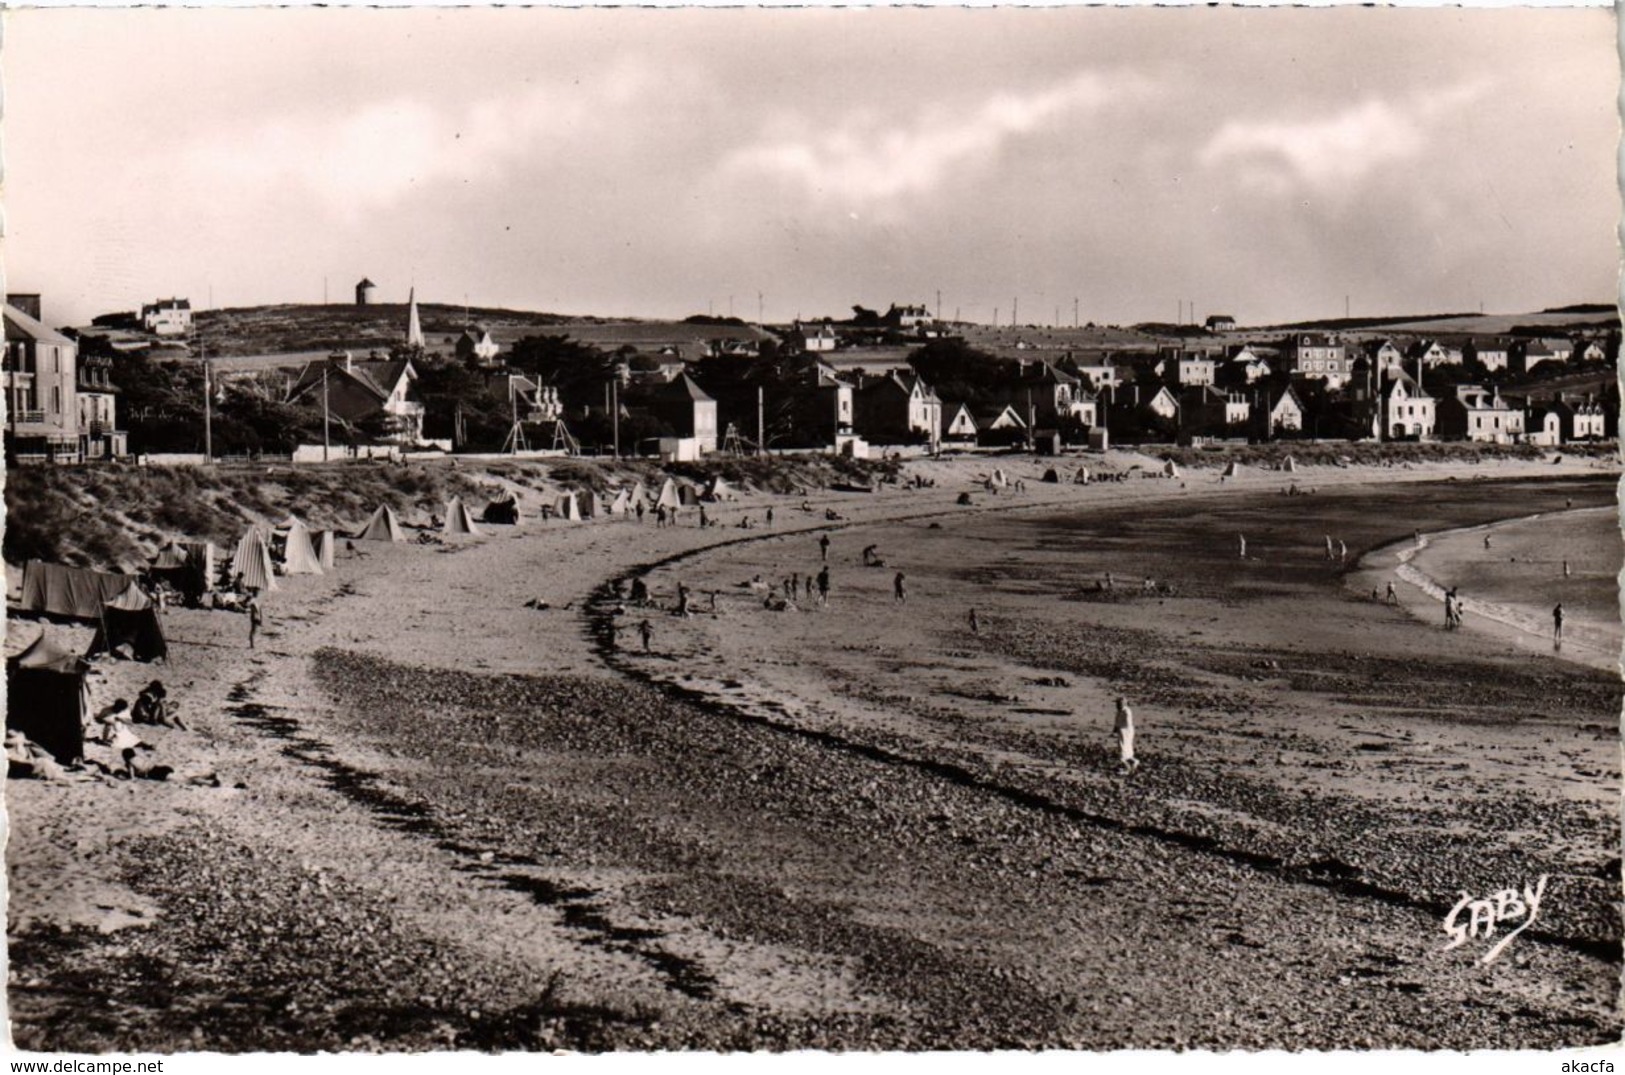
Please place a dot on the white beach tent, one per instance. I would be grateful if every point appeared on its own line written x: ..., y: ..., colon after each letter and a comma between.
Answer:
x: 1289, y: 465
x: 325, y: 542
x: 383, y: 526
x: 298, y: 554
x: 720, y: 490
x: 668, y: 497
x: 1233, y: 470
x: 1171, y: 469
x: 458, y: 520
x: 566, y: 508
x: 621, y: 504
x: 999, y: 479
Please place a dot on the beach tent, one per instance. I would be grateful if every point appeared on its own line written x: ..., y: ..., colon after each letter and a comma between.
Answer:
x: 999, y: 479
x: 130, y: 620
x: 1233, y: 470
x: 74, y: 592
x: 720, y: 490
x: 1051, y: 477
x: 590, y: 503
x: 458, y: 520
x: 325, y: 541
x: 298, y: 555
x: 383, y: 526
x: 252, y: 561
x: 47, y: 698
x: 621, y: 504
x: 688, y: 495
x: 1289, y: 464
x: 639, y: 495
x: 1081, y: 477
x: 566, y: 507
x: 505, y: 510
x: 1170, y: 469
x: 169, y: 558
x: 668, y: 497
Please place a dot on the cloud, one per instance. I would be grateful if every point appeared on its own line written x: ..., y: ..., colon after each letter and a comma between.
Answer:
x: 1334, y: 153
x: 873, y: 158
x: 372, y: 156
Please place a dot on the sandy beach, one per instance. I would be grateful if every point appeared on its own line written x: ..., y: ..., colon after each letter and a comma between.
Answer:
x: 444, y: 818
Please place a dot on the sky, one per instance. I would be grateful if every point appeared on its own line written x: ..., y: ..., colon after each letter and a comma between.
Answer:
x: 1269, y: 164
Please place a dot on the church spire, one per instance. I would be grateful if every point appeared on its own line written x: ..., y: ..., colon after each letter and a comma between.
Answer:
x: 414, y: 330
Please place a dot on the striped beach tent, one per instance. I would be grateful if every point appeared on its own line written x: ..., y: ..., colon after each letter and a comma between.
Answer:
x: 252, y: 561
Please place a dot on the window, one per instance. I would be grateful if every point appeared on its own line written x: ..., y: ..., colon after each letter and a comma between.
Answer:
x: 56, y: 399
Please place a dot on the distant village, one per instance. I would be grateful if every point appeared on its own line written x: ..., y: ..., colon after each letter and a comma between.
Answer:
x: 150, y: 385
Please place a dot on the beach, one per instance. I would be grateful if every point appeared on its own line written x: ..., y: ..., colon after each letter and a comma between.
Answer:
x: 447, y: 819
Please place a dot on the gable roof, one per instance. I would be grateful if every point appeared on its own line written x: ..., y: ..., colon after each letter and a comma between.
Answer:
x: 21, y: 326
x: 682, y: 387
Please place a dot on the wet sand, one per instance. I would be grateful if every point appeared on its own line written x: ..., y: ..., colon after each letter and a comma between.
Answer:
x: 462, y: 821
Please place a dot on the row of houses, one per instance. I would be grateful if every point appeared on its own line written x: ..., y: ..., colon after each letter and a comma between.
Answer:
x: 1327, y: 358
x: 58, y: 406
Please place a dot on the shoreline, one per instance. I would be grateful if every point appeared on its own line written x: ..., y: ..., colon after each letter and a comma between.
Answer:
x: 1586, y: 642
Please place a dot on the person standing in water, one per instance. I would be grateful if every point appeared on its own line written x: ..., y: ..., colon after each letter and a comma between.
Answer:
x: 1123, y: 726
x: 1557, y: 626
x: 899, y: 593
x: 975, y: 624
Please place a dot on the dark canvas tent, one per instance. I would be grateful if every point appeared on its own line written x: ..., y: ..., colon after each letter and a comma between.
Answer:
x: 298, y: 555
x: 458, y: 520
x: 1051, y: 476
x: 46, y: 698
x: 252, y: 561
x: 688, y: 495
x: 75, y: 592
x: 566, y: 507
x: 1233, y: 470
x: 383, y: 526
x: 130, y: 620
x: 505, y: 510
x: 589, y: 503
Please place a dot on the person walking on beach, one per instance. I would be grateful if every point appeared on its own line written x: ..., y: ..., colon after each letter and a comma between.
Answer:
x: 640, y: 511
x: 1450, y: 610
x: 1565, y: 569
x: 682, y: 600
x: 702, y: 517
x: 899, y: 593
x: 1486, y: 541
x: 1328, y: 546
x: 645, y: 632
x: 975, y: 624
x: 1123, y: 727
x: 1557, y: 626
x: 1392, y: 598
x: 823, y: 548
x: 823, y: 585
x: 770, y: 515
x: 1242, y: 541
x: 1342, y: 552
x: 256, y: 618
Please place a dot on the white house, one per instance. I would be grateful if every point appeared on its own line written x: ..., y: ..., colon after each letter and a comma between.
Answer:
x: 1408, y: 412
x: 167, y: 317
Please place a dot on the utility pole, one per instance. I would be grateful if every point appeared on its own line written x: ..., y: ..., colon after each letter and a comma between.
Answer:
x: 325, y: 439
x: 208, y: 410
x: 1074, y: 312
x: 1014, y: 306
x: 615, y: 414
x: 758, y: 307
x: 761, y: 425
x: 939, y: 304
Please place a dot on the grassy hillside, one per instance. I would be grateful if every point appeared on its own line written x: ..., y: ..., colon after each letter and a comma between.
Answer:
x: 256, y: 330
x: 116, y: 518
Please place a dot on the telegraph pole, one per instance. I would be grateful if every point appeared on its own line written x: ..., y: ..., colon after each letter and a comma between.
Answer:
x: 325, y: 368
x: 208, y: 412
x: 615, y: 414
x: 1074, y: 312
x: 761, y: 426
